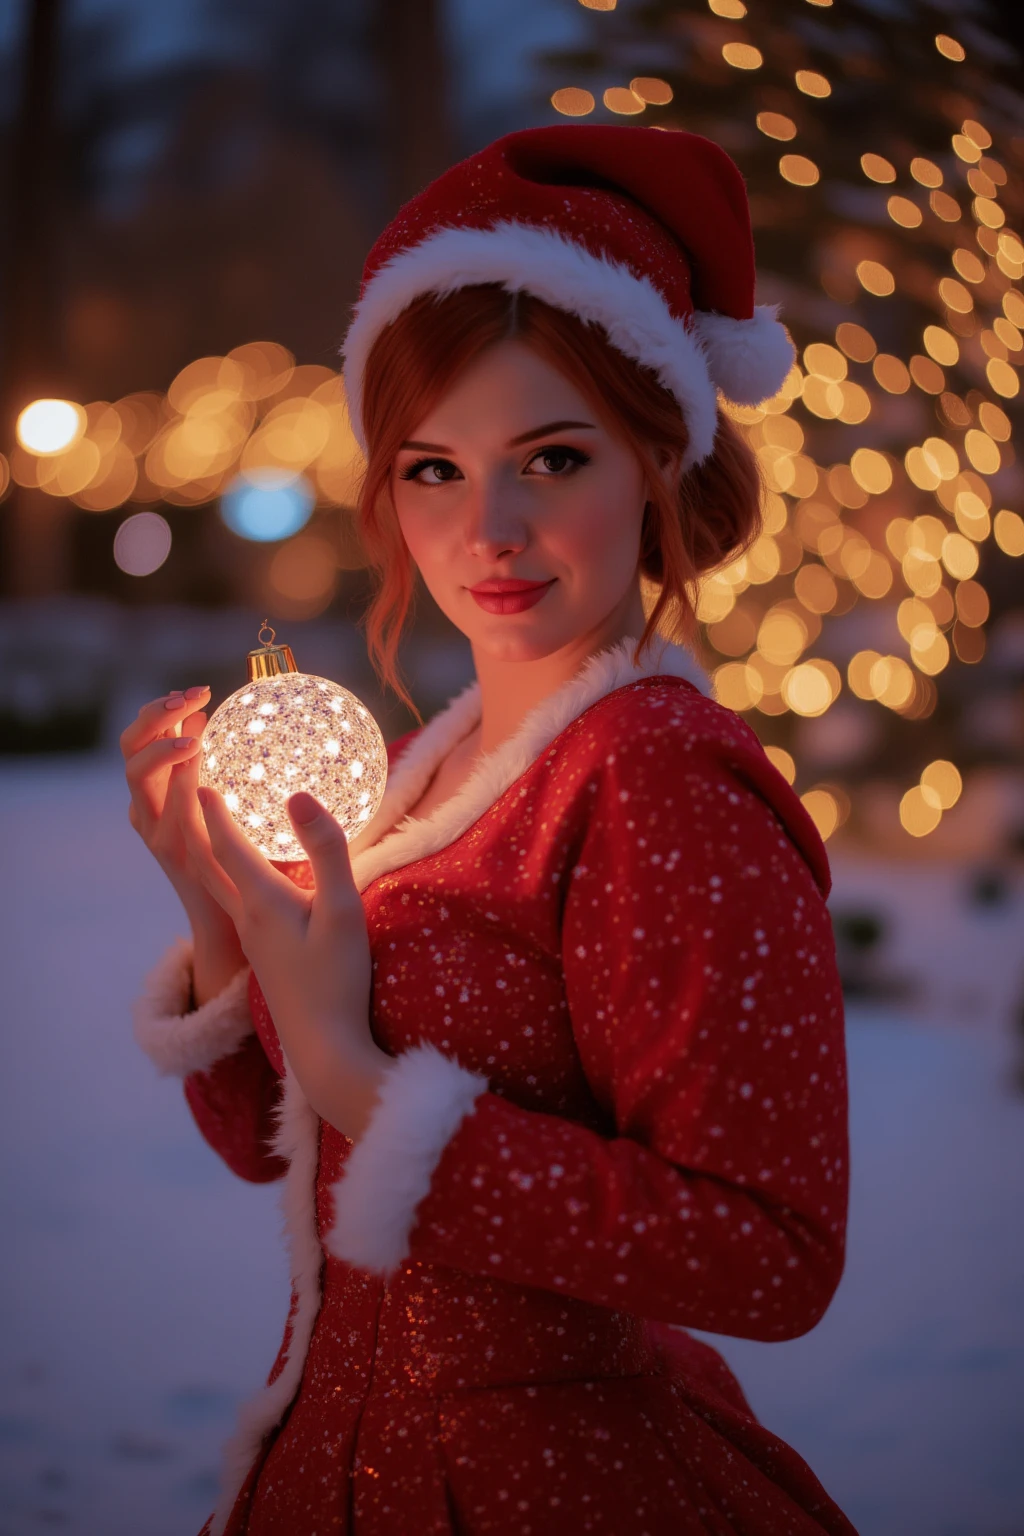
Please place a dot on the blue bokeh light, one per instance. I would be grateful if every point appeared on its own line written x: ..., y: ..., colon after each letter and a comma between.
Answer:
x: 267, y: 504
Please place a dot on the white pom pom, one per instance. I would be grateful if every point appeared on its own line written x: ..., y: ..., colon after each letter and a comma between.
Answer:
x: 747, y: 359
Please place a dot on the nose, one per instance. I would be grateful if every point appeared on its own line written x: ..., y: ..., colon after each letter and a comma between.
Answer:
x: 494, y: 526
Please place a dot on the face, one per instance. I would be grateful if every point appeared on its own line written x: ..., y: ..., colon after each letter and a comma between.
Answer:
x: 513, y: 481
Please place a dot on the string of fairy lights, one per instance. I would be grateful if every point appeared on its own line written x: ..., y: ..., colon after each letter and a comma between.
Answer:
x: 269, y: 441
x: 837, y: 533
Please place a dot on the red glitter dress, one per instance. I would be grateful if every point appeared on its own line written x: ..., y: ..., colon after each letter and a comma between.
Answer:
x: 618, y: 1109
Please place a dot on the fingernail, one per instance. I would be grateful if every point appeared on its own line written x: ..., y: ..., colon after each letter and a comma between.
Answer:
x: 175, y: 701
x: 303, y: 807
x: 196, y: 693
x: 181, y: 742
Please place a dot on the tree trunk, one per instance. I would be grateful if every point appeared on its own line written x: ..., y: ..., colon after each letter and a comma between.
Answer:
x: 412, y: 57
x: 36, y: 525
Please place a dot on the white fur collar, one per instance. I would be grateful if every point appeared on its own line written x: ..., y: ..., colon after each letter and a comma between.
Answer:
x: 374, y: 854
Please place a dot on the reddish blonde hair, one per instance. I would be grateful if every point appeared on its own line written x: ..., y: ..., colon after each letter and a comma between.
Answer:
x: 690, y: 526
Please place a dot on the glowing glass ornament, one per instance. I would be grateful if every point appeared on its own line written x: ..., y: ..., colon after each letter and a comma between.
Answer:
x: 286, y: 731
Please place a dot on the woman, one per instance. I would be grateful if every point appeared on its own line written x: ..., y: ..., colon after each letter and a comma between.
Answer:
x: 555, y: 1065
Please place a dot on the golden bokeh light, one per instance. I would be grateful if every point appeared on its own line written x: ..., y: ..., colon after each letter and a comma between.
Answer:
x: 1002, y: 378
x: 950, y: 48
x: 875, y: 278
x: 858, y: 673
x: 735, y: 634
x: 972, y: 604
x: 737, y: 685
x: 113, y: 483
x: 925, y: 172
x: 815, y: 588
x: 929, y: 651
x: 49, y: 426
x: 742, y: 55
x: 856, y: 404
x: 927, y: 374
x: 1008, y: 334
x: 919, y: 815
x: 775, y: 125
x: 573, y: 102
x: 732, y: 10
x: 944, y: 207
x: 891, y: 374
x: 940, y: 345
x: 904, y: 212
x: 141, y: 416
x: 942, y: 783
x: 871, y: 470
x: 972, y: 516
x: 620, y: 99
x: 799, y: 170
x: 781, y: 760
x: 825, y: 362
x: 822, y: 398
x: 812, y: 84
x: 1008, y: 531
x: 968, y: 266
x: 855, y: 341
x: 988, y: 212
x: 68, y: 473
x: 955, y: 296
x: 890, y: 681
x: 657, y: 93
x: 266, y: 366
x: 877, y: 168
x: 811, y: 687
x: 782, y: 636
x: 965, y: 148
x: 824, y: 810
x: 983, y: 453
x: 1013, y: 305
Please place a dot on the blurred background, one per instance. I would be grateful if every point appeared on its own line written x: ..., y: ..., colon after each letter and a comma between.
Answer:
x: 189, y: 192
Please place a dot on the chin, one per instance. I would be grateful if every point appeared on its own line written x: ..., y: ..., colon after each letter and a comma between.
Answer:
x: 519, y: 641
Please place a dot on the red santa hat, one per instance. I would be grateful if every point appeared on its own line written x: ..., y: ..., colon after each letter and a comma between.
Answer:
x: 645, y: 232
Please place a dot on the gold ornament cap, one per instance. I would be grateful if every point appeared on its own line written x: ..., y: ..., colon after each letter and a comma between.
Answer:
x: 269, y: 660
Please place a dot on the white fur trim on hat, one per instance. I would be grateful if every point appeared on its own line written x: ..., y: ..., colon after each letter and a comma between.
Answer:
x: 747, y: 359
x: 423, y: 1099
x: 177, y: 1038
x: 545, y: 263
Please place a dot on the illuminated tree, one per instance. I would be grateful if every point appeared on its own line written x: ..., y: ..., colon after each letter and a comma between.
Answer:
x: 883, y: 159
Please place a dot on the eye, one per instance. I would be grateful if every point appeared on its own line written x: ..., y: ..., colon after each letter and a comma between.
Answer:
x: 560, y: 462
x: 444, y: 469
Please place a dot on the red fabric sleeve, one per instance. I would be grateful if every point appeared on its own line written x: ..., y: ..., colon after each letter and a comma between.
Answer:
x: 700, y: 975
x: 233, y: 1105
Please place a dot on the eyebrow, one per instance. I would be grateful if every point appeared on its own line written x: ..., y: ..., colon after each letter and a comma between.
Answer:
x: 515, y: 442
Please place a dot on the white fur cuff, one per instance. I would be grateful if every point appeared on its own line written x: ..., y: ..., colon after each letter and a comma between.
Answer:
x: 179, y: 1041
x: 424, y: 1098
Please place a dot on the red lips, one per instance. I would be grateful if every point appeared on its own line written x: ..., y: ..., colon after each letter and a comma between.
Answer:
x: 510, y: 595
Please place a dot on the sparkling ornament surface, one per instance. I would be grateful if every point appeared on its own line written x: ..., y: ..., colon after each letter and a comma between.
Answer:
x: 292, y: 732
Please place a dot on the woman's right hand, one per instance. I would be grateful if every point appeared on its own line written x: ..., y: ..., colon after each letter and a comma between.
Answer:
x: 161, y: 753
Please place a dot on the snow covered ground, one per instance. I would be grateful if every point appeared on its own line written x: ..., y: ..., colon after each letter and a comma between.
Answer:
x: 142, y: 1287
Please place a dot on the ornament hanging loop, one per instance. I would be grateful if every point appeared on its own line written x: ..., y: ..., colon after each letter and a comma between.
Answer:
x: 269, y: 660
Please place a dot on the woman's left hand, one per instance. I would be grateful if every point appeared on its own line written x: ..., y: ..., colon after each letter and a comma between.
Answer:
x: 310, y: 952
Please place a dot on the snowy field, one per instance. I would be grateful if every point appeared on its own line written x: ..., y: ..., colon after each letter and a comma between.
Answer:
x: 142, y: 1287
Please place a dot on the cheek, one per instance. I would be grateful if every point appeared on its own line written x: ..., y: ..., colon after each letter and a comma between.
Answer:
x: 420, y: 532
x: 601, y: 529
